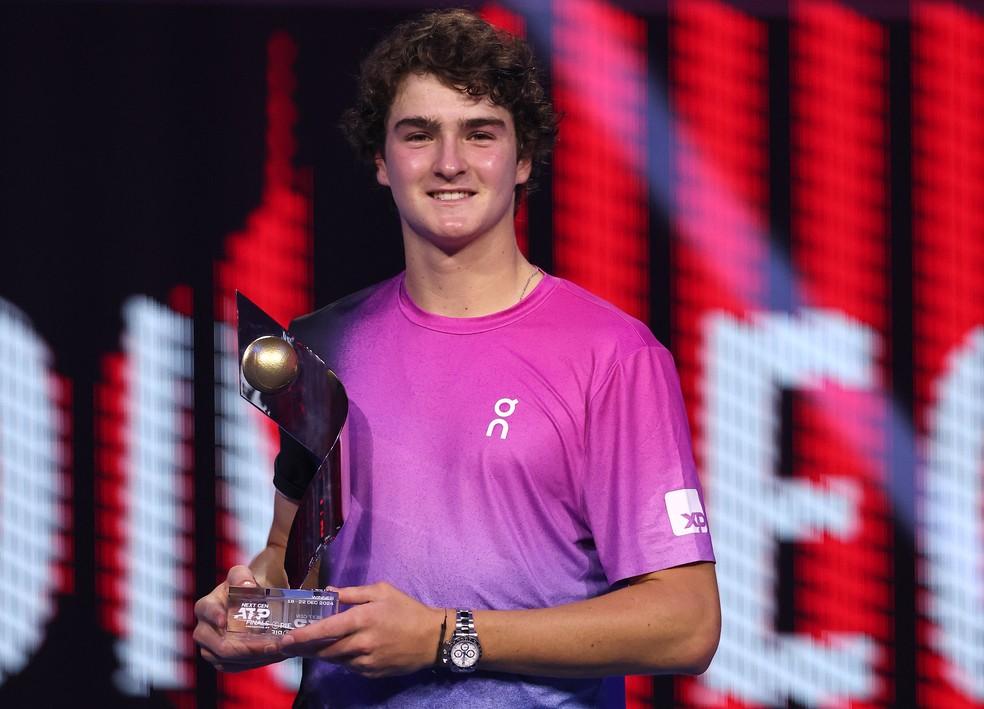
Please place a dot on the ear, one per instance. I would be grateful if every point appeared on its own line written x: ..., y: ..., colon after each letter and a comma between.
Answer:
x: 382, y: 177
x: 523, y: 169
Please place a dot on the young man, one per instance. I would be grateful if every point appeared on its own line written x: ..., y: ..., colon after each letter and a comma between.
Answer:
x: 519, y: 453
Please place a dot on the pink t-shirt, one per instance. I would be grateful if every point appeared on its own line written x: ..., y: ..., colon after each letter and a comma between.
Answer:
x: 529, y: 458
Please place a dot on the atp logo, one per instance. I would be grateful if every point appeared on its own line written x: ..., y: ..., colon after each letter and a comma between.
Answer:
x: 253, y: 613
x: 685, y: 512
x: 504, y: 408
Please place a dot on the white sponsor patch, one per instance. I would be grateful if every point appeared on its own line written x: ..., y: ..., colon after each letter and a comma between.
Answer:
x: 685, y: 512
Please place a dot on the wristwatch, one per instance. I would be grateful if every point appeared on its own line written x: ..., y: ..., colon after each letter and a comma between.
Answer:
x: 463, y: 651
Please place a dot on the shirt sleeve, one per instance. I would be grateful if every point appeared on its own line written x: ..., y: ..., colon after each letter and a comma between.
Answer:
x: 640, y: 491
x: 293, y: 468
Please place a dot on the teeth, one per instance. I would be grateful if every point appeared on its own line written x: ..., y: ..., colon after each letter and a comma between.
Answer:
x: 447, y: 196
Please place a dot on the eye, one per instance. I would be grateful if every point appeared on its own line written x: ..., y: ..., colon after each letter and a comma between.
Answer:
x: 416, y: 137
x: 481, y: 135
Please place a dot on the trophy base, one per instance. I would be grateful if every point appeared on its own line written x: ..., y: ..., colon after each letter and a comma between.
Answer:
x: 275, y: 611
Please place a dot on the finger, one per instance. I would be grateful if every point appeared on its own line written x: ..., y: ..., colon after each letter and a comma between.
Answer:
x: 306, y: 646
x: 227, y: 665
x: 340, y: 651
x: 211, y: 610
x: 250, y: 661
x: 241, y: 576
x: 207, y: 637
x: 308, y: 640
x: 223, y: 665
x: 356, y: 595
x: 236, y: 648
x: 205, y: 607
x: 311, y: 648
x: 246, y: 649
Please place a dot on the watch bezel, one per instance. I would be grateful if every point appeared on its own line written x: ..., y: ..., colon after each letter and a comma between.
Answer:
x: 460, y: 640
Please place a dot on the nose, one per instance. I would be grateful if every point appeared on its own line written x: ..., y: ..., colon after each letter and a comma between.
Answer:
x: 450, y: 160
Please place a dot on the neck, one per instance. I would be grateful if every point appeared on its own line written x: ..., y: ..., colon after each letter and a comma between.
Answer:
x: 481, y: 279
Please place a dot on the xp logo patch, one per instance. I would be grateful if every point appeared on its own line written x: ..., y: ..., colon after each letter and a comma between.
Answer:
x: 685, y: 512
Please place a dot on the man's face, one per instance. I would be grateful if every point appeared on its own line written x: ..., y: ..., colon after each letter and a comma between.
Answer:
x: 450, y: 160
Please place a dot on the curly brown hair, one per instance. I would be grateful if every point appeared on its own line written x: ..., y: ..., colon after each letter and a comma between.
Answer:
x: 463, y: 52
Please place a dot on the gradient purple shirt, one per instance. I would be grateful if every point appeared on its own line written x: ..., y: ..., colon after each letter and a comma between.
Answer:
x: 529, y: 458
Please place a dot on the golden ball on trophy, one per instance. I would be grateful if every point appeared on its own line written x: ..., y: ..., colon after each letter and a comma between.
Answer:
x: 270, y: 364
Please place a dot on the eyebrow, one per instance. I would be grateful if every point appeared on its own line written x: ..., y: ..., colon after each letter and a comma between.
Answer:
x: 432, y: 124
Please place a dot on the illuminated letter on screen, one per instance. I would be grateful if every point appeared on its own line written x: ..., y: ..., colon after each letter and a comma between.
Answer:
x: 29, y: 489
x: 952, y: 533
x: 156, y: 648
x: 748, y: 363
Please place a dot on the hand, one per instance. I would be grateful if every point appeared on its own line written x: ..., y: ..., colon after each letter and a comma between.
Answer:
x: 385, y: 633
x: 231, y: 652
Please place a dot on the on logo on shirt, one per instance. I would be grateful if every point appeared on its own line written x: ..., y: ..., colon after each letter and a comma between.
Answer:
x: 685, y: 512
x: 502, y: 414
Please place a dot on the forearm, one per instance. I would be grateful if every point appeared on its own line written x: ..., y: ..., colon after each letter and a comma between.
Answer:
x: 667, y: 623
x: 268, y: 565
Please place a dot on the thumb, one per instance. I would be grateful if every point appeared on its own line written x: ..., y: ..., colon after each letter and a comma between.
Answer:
x: 241, y: 576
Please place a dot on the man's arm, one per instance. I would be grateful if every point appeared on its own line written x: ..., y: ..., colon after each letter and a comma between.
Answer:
x: 268, y: 565
x: 236, y: 652
x: 665, y: 622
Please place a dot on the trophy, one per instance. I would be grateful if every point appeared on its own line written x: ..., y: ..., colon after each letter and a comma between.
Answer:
x: 289, y: 383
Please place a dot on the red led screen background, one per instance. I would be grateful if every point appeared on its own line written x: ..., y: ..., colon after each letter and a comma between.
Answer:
x: 791, y: 195
x: 948, y: 257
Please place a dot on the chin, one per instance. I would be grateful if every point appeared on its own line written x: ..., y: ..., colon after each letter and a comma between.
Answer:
x: 451, y: 245
x: 452, y: 236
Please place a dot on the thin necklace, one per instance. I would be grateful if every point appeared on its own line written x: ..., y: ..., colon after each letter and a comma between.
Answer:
x: 536, y: 270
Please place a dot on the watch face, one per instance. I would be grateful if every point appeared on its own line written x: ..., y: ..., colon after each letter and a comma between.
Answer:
x: 465, y: 653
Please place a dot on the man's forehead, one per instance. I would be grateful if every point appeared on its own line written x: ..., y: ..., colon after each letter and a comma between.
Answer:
x: 424, y: 96
x: 432, y: 82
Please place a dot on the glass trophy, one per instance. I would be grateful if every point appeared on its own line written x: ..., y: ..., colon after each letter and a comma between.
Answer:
x: 274, y: 611
x: 292, y: 385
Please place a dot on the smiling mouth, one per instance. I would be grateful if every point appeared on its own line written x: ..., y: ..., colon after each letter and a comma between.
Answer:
x: 450, y: 195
